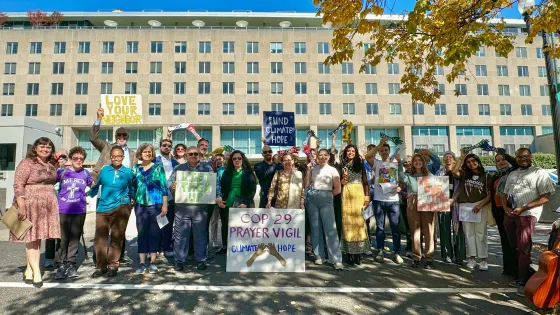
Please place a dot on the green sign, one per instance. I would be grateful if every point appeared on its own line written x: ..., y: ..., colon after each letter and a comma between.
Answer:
x: 195, y: 187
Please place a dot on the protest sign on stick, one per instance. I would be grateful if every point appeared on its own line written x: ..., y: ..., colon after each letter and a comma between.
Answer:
x: 121, y: 109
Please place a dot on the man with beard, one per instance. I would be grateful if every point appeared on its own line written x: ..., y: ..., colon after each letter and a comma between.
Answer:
x: 265, y: 172
x: 203, y: 147
x: 525, y: 192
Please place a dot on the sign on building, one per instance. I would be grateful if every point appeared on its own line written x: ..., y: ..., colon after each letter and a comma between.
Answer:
x: 195, y: 187
x: 121, y: 109
x: 433, y: 193
x: 279, y: 128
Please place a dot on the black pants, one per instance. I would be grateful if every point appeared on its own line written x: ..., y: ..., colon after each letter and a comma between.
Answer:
x: 407, y: 232
x: 166, y: 241
x: 224, y: 218
x: 508, y: 253
x: 337, y: 203
x: 51, y: 247
x: 71, y: 229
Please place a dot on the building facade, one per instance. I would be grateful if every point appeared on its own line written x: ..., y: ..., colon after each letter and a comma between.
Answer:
x: 220, y: 77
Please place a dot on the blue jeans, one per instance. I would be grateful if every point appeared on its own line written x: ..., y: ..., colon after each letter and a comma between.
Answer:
x: 321, y: 217
x: 380, y: 209
x: 149, y: 233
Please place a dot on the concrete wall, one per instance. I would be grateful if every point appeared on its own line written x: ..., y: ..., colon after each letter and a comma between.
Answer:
x: 545, y: 144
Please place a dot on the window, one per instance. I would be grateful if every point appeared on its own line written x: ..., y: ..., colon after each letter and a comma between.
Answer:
x: 503, y: 90
x: 484, y: 109
x: 9, y: 89
x: 179, y: 88
x: 132, y: 67
x: 322, y: 48
x: 393, y: 68
x: 228, y: 67
x: 481, y: 52
x: 35, y: 47
x: 228, y: 47
x: 56, y: 110
x: 80, y: 109
x: 106, y: 88
x: 252, y: 67
x: 83, y: 67
x: 276, y: 48
x: 180, y: 67
x: 130, y: 88
x: 510, y: 149
x: 348, y: 109
x: 301, y: 108
x: 540, y: 53
x: 10, y: 68
x: 440, y: 109
x: 228, y: 88
x: 204, y: 47
x: 30, y: 110
x: 544, y: 90
x: 324, y: 108
x: 248, y: 141
x: 301, y: 88
x: 546, y: 130
x: 482, y: 89
x: 463, y: 109
x: 58, y: 68
x: 522, y: 71
x: 505, y: 109
x: 131, y: 47
x: 301, y: 67
x: 32, y: 89
x: 277, y: 107
x: 473, y: 131
x: 83, y: 47
x: 203, y: 109
x: 178, y: 109
x: 252, y: 108
x: 439, y: 70
x: 156, y: 47
x: 252, y: 87
x: 324, y: 88
x: 203, y: 87
x: 108, y: 47
x: 347, y: 88
x: 516, y: 131
x: 154, y: 109
x: 299, y: 48
x: 418, y: 109
x: 481, y: 70
x: 34, y: 68
x: 502, y: 71
x: 429, y: 131
x: 57, y: 88
x: 276, y: 88
x: 372, y: 109
x: 228, y: 109
x: 542, y: 71
x: 347, y: 68
x: 524, y: 90
x: 7, y: 110
x: 546, y: 110
x: 521, y: 52
x: 81, y: 88
x: 461, y: 88
x: 441, y: 88
x: 323, y: 68
x: 394, y: 88
x: 276, y: 67
x: 371, y: 88
x: 106, y: 67
x: 204, y: 67
x: 394, y: 108
x: 369, y: 69
x: 180, y: 47
x: 155, y: 67
x: 11, y: 48
x: 252, y: 47
x: 526, y: 110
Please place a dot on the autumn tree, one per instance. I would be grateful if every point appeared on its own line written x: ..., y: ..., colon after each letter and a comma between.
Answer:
x: 37, y: 18
x: 55, y: 18
x: 435, y: 33
x: 3, y: 18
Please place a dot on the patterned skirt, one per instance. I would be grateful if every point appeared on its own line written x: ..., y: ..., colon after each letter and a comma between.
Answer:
x: 41, y: 206
x: 354, y: 236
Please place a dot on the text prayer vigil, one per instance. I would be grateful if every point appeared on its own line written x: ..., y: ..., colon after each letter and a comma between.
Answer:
x: 257, y: 232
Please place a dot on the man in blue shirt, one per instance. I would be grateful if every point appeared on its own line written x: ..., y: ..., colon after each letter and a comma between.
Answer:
x: 265, y: 171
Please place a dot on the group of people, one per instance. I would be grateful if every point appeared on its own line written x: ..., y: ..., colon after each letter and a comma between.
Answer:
x: 334, y: 189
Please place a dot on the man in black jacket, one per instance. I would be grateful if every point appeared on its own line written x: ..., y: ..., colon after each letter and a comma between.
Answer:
x: 265, y: 172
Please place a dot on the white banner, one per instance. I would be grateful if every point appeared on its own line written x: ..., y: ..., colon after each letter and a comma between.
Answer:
x: 433, y: 193
x: 121, y: 109
x: 266, y: 240
x: 195, y: 187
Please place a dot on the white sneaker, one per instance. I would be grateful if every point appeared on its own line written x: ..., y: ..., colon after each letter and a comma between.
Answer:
x: 338, y: 266
x: 318, y: 261
x: 448, y: 260
x: 397, y: 259
x: 483, y: 266
x: 471, y: 264
x: 379, y: 258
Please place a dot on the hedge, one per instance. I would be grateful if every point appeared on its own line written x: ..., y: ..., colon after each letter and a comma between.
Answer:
x: 542, y: 160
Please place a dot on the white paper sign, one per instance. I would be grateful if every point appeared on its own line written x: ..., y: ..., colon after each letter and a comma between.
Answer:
x: 433, y: 193
x: 162, y: 221
x: 265, y: 240
x: 195, y: 187
x: 467, y: 215
x: 121, y: 109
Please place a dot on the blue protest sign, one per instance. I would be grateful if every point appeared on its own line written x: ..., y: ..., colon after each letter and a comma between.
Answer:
x: 279, y: 128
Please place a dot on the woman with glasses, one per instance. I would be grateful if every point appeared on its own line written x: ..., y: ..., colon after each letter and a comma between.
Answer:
x: 287, y: 187
x: 236, y: 188
x: 72, y: 207
x: 179, y: 153
x: 35, y: 200
x: 150, y: 195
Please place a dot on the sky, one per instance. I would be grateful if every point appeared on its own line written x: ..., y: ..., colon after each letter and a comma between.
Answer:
x: 167, y: 5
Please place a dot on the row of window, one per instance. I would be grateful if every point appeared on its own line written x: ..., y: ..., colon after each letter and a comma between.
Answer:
x: 474, y: 131
x: 520, y: 52
x: 253, y: 67
x: 483, y: 109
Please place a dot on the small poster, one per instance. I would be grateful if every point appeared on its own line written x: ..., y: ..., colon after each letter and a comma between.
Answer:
x: 433, y: 193
x: 266, y: 240
x: 121, y: 109
x: 195, y: 187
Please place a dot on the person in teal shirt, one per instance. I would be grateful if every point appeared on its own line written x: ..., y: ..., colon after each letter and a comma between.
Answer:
x: 113, y: 211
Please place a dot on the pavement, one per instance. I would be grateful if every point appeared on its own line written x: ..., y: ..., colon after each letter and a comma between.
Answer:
x: 372, y: 288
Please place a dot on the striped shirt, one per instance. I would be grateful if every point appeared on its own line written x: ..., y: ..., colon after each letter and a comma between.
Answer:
x: 526, y: 185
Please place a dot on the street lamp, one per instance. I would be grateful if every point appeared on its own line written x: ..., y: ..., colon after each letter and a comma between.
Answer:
x: 525, y: 7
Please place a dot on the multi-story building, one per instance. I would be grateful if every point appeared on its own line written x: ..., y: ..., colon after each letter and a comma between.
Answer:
x: 220, y: 71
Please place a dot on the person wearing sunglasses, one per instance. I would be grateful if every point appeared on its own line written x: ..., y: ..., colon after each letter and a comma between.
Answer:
x: 265, y: 171
x: 190, y: 217
x: 72, y: 203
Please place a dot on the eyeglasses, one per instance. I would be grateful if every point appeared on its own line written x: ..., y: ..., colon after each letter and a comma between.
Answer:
x: 193, y: 153
x: 166, y: 146
x: 117, y: 157
x: 267, y: 152
x: 77, y: 158
x: 62, y: 157
x: 237, y: 158
x: 122, y: 135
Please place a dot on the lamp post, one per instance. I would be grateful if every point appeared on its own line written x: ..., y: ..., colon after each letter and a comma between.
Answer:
x: 524, y: 7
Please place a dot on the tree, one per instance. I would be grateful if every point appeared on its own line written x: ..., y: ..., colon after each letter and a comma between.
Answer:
x: 436, y: 33
x: 3, y: 18
x: 37, y: 18
x: 55, y: 18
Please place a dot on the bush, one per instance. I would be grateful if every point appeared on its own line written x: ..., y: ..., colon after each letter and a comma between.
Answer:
x: 542, y: 160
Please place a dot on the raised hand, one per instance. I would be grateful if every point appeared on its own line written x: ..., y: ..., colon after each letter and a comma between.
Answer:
x: 100, y: 113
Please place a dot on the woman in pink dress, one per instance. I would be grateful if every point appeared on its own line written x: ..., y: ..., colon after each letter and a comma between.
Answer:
x: 36, y: 201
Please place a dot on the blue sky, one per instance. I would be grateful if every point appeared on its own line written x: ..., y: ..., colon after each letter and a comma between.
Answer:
x: 166, y: 5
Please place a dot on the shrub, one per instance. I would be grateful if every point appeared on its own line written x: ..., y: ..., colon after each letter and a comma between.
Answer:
x: 542, y: 160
